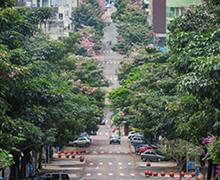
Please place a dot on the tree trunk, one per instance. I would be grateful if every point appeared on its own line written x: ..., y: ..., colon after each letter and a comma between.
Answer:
x: 40, y: 158
x: 24, y: 161
x: 209, y: 171
x: 14, y: 169
x: 3, y: 173
x: 47, y: 154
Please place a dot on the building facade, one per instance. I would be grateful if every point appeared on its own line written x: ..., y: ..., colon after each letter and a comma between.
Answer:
x: 161, y: 12
x: 60, y: 25
x: 176, y: 8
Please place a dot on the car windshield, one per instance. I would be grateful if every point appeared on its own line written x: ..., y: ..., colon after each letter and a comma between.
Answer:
x: 81, y: 138
x: 115, y: 136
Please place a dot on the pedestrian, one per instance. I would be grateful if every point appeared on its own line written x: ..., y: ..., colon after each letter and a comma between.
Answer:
x: 197, y: 171
x: 190, y: 166
x: 30, y: 170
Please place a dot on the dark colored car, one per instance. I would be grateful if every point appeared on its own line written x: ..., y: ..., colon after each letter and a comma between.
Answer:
x: 115, y: 139
x: 54, y: 176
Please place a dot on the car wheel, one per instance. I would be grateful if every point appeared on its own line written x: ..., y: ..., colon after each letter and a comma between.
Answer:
x: 87, y: 144
x: 74, y: 145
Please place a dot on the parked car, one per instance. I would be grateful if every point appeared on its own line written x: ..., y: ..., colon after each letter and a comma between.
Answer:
x: 152, y: 155
x: 103, y: 122
x: 85, y: 134
x: 54, y: 176
x: 142, y: 149
x: 115, y: 139
x: 135, y: 135
x: 137, y: 140
x: 137, y: 147
x: 131, y: 133
x: 81, y: 141
x: 108, y: 6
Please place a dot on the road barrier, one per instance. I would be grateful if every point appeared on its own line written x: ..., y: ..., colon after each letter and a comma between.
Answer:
x: 81, y: 158
x: 70, y: 153
x: 171, y: 175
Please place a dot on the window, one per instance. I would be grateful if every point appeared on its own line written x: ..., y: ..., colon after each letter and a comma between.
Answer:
x: 55, y: 176
x: 64, y: 177
x: 60, y: 16
x: 174, y: 11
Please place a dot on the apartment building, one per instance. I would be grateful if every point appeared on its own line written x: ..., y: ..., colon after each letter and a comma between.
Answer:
x: 60, y: 25
x: 161, y: 12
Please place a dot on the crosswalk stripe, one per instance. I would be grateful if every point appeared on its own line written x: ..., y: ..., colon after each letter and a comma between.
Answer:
x: 70, y: 168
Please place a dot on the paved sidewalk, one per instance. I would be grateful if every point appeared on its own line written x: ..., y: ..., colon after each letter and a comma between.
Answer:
x: 73, y: 167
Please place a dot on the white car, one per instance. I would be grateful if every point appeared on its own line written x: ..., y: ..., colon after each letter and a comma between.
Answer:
x: 108, y: 6
x: 81, y: 141
x: 130, y: 133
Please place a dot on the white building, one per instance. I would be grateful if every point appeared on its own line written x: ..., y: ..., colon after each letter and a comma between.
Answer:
x: 60, y: 25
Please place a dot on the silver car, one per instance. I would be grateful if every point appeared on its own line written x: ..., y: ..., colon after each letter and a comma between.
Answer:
x: 81, y: 141
x: 154, y: 156
x: 115, y: 139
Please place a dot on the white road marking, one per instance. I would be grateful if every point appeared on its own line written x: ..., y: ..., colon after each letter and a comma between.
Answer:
x: 132, y: 174
x: 120, y: 168
x: 106, y: 133
x: 70, y: 168
x: 110, y: 163
x: 110, y: 174
x: 88, y: 174
x: 110, y: 152
x: 100, y: 133
x: 94, y: 152
x: 91, y: 163
x: 121, y: 174
x: 129, y: 163
x: 118, y: 152
x: 120, y: 163
x: 97, y: 167
x: 101, y: 163
x: 99, y: 174
x: 102, y: 152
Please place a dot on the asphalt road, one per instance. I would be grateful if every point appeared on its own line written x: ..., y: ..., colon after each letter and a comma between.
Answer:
x: 106, y: 161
